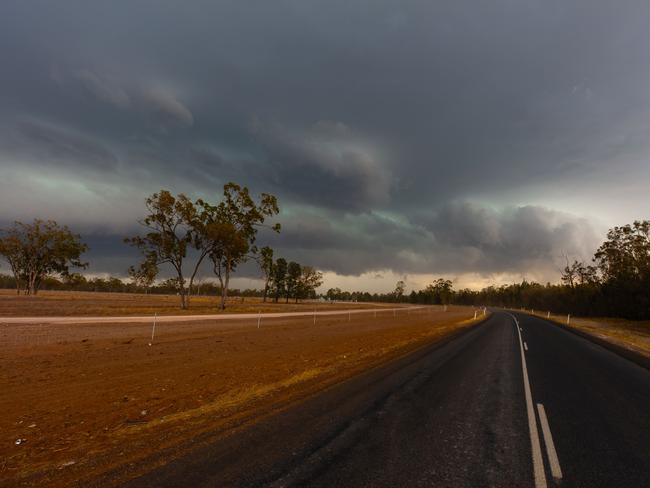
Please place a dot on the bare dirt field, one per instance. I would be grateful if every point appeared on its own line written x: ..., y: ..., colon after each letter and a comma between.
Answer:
x: 66, y: 303
x: 634, y: 335
x: 94, y: 404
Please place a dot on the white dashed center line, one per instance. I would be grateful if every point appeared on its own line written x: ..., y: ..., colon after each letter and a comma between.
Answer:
x: 550, y: 446
x: 536, y: 448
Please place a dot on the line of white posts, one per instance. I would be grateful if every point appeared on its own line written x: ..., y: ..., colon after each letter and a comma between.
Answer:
x: 259, y: 319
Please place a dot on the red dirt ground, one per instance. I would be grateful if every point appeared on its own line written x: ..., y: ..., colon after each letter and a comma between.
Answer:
x: 91, y: 402
x: 68, y: 303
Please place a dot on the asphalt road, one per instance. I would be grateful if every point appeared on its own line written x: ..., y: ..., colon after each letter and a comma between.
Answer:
x: 494, y: 407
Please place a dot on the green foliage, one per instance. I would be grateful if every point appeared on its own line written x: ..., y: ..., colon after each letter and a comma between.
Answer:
x: 279, y: 280
x: 171, y: 225
x: 38, y: 250
x: 310, y: 279
x: 294, y: 271
x: 228, y: 231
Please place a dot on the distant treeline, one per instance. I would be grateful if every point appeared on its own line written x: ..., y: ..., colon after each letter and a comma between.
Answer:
x: 111, y: 284
x: 617, y: 284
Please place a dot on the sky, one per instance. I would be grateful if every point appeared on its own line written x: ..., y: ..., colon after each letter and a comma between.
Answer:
x: 479, y: 141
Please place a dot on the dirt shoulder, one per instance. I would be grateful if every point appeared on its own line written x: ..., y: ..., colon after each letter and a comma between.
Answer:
x: 87, y: 400
x: 67, y: 303
x: 627, y: 334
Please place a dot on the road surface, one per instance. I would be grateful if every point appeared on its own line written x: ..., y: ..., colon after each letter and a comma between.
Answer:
x: 494, y: 407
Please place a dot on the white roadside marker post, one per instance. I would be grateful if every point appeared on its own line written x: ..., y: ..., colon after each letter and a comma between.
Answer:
x: 259, y: 318
x: 568, y: 318
x: 548, y: 315
x: 153, y: 329
x: 314, y: 317
x: 474, y: 314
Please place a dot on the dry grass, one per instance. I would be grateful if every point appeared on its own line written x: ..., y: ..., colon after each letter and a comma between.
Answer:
x: 66, y: 303
x: 634, y: 335
x: 98, y: 398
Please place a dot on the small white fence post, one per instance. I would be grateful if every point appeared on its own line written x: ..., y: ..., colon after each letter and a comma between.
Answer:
x: 153, y: 329
x: 568, y: 318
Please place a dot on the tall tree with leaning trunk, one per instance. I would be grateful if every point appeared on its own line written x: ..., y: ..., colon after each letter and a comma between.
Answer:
x: 173, y: 227
x: 229, y: 230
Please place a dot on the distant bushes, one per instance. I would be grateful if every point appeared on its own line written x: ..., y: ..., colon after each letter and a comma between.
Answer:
x: 116, y: 285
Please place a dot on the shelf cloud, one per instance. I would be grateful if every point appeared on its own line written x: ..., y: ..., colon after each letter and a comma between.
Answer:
x: 412, y: 137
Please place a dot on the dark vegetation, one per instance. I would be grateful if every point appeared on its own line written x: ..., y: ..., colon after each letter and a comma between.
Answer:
x: 179, y: 236
x: 617, y: 284
x: 40, y: 256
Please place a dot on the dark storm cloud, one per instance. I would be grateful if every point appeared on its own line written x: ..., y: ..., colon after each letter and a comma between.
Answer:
x: 41, y: 143
x: 366, y: 117
x: 457, y: 238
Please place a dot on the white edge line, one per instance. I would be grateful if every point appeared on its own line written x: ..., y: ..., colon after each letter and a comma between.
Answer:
x: 538, y: 461
x: 556, y: 471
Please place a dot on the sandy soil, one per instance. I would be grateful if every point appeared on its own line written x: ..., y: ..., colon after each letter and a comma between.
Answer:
x: 91, y: 402
x: 65, y: 303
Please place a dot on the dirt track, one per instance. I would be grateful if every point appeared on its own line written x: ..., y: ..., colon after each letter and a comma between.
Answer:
x: 89, y: 399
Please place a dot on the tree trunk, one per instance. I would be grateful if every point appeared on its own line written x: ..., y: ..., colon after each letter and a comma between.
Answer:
x: 31, y: 284
x: 224, y: 287
x: 224, y: 293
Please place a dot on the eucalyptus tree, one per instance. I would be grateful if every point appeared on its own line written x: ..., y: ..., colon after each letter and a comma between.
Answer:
x: 294, y: 271
x: 279, y: 280
x: 228, y: 230
x: 173, y: 229
x: 144, y: 275
x: 265, y: 261
x: 40, y: 249
x: 310, y: 279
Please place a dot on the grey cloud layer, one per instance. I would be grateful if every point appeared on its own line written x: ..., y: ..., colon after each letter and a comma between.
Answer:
x: 457, y: 238
x: 370, y: 117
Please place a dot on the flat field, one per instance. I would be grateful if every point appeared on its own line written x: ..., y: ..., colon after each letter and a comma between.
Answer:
x: 94, y: 404
x: 66, y: 303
